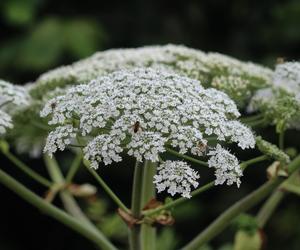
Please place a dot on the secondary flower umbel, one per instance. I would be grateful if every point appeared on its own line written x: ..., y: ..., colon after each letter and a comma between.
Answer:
x: 281, y: 102
x: 141, y: 112
x: 11, y: 96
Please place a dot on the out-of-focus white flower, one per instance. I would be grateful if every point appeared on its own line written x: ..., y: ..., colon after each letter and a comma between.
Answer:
x: 11, y: 97
x: 5, y: 122
x: 10, y: 93
x: 227, y: 168
x: 287, y: 76
x: 176, y: 177
x: 141, y: 112
x: 238, y: 79
x: 280, y: 103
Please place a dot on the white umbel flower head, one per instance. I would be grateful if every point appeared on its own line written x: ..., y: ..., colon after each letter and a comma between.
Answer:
x: 141, y: 112
x: 5, y: 122
x: 227, y: 168
x: 236, y: 78
x: 11, y: 97
x: 10, y: 93
x: 176, y: 177
x: 280, y: 103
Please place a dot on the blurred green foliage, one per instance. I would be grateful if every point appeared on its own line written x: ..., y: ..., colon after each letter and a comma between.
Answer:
x: 39, y: 43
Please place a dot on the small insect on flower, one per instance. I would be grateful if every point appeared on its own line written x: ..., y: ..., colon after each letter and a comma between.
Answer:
x: 202, y: 147
x: 53, y: 105
x: 137, y: 127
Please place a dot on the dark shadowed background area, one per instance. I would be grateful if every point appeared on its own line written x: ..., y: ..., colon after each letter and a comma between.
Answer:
x: 37, y: 35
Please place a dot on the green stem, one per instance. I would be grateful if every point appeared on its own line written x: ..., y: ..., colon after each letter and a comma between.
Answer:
x: 179, y: 201
x: 107, y: 189
x: 27, y: 170
x: 136, y: 207
x: 200, y: 190
x: 74, y: 168
x: 239, y: 207
x: 269, y: 207
x: 68, y: 200
x: 256, y: 123
x: 245, y: 164
x: 251, y: 118
x: 186, y: 157
x: 98, y: 238
x: 281, y: 140
x: 272, y: 203
x: 148, y: 232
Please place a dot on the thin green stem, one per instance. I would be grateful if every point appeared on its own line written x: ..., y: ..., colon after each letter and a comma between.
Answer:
x: 136, y: 207
x: 68, y: 200
x: 281, y: 140
x: 74, y: 168
x: 27, y: 170
x: 97, y: 237
x: 179, y: 201
x: 256, y: 123
x: 261, y: 158
x: 107, y: 189
x: 186, y: 157
x: 239, y: 207
x: 148, y: 232
x: 200, y: 190
x: 251, y: 118
x: 41, y: 125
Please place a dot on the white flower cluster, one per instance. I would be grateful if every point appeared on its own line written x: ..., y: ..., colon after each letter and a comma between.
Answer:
x: 11, y: 96
x: 281, y: 102
x: 141, y: 111
x: 59, y: 138
x: 287, y: 76
x: 5, y: 122
x: 226, y: 165
x: 176, y: 177
x: 244, y: 77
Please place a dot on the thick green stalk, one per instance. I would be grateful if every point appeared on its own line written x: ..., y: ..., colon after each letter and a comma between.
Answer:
x: 272, y: 203
x: 239, y: 207
x: 269, y: 207
x: 27, y: 170
x: 68, y: 200
x: 97, y: 237
x: 136, y: 207
x: 148, y: 233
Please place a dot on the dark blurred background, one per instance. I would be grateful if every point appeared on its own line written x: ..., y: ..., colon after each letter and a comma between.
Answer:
x: 37, y: 35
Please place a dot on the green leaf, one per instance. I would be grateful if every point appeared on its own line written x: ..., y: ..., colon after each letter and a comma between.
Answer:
x: 19, y: 12
x: 43, y: 47
x: 83, y: 37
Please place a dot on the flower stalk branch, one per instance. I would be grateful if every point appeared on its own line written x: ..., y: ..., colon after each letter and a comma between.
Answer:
x: 97, y: 237
x: 239, y: 207
x: 27, y: 170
